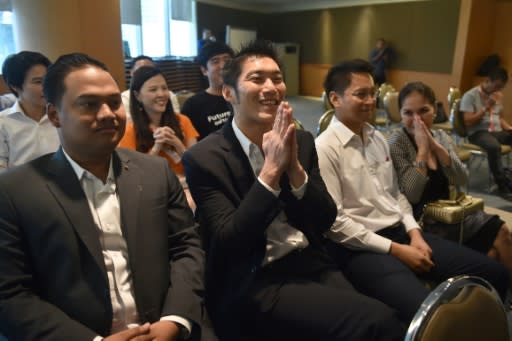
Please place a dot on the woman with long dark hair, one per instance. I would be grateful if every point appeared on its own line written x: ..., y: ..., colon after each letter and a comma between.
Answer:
x: 156, y: 129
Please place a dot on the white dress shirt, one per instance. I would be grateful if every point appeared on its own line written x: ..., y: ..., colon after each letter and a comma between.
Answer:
x: 125, y: 97
x: 104, y: 205
x: 282, y: 238
x: 360, y: 177
x: 22, y: 139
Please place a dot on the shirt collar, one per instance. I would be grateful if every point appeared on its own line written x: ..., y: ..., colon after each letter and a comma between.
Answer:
x: 16, y: 109
x: 346, y: 135
x: 80, y: 171
x: 244, y: 140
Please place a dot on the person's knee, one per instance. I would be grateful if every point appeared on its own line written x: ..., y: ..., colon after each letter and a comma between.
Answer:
x: 385, y: 324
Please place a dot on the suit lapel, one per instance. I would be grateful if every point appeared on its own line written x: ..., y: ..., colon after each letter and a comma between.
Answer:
x: 68, y: 192
x: 129, y: 188
x: 242, y: 171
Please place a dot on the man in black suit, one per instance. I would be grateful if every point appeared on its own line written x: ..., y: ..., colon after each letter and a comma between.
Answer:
x: 96, y: 240
x: 263, y: 208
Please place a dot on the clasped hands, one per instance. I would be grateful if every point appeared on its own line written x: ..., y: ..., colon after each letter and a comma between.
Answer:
x: 165, y: 137
x: 279, y: 146
x: 158, y: 331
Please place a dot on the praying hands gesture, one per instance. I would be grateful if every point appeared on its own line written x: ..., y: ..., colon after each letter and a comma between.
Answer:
x: 280, y: 149
x: 429, y: 149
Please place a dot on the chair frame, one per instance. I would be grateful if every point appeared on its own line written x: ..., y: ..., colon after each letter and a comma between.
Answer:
x: 449, y: 288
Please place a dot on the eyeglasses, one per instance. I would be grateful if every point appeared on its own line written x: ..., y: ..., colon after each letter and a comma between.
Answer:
x: 365, y: 94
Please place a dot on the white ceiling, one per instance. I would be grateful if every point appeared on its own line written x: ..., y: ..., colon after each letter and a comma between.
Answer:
x: 270, y: 6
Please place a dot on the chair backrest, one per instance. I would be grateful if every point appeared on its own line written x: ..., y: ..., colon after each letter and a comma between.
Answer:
x: 460, y: 308
x: 7, y: 101
x: 457, y: 119
x: 183, y: 95
x: 298, y: 124
x: 326, y: 102
x: 453, y: 94
x: 324, y: 121
x: 383, y: 90
x: 391, y: 106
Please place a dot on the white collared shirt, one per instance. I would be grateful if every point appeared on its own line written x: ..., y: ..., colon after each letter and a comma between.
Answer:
x: 105, y: 209
x: 282, y: 238
x: 22, y: 139
x: 360, y: 177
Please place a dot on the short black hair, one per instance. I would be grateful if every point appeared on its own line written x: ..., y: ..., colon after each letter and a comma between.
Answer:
x: 53, y: 85
x: 339, y: 77
x: 211, y: 50
x: 233, y: 68
x: 16, y: 67
x: 498, y: 73
x: 419, y: 87
x: 141, y: 57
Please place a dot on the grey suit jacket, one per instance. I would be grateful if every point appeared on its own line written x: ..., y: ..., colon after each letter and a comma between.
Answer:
x: 53, y: 282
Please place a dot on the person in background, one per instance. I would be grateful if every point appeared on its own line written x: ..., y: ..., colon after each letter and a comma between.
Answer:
x: 25, y: 130
x: 375, y: 239
x: 138, y: 62
x: 486, y: 127
x: 96, y: 243
x: 156, y: 129
x: 208, y: 110
x: 380, y: 57
x: 428, y: 168
x: 263, y: 209
x: 207, y: 37
x: 6, y: 101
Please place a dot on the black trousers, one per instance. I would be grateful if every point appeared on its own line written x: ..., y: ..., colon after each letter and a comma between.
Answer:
x: 491, y: 143
x: 295, y: 299
x: 387, y: 279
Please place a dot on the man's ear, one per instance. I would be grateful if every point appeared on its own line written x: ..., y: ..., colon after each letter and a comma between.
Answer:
x: 229, y: 94
x: 204, y: 71
x: 334, y: 98
x: 51, y: 112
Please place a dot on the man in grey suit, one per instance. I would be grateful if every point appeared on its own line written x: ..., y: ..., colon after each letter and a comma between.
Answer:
x: 96, y: 242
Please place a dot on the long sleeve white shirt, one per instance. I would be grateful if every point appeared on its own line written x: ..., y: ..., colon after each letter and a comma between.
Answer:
x: 360, y: 177
x: 22, y: 139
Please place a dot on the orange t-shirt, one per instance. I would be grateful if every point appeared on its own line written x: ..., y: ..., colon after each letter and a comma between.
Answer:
x: 128, y: 140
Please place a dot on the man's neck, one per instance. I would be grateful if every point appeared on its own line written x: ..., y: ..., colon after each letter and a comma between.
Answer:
x: 254, y: 132
x: 214, y: 91
x: 95, y: 164
x: 35, y: 112
x: 355, y: 127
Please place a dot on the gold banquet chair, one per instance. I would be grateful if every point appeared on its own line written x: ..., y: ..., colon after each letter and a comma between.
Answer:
x: 460, y: 309
x: 391, y: 107
x: 324, y: 121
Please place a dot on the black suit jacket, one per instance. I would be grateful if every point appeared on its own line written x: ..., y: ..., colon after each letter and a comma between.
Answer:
x: 53, y: 282
x: 235, y: 210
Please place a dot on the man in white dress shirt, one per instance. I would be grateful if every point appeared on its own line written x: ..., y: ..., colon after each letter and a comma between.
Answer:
x: 25, y: 131
x: 375, y: 239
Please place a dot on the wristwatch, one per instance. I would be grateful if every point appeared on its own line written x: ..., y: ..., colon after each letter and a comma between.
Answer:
x: 420, y: 164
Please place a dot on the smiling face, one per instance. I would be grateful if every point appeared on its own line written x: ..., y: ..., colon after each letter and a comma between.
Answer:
x: 355, y: 106
x: 154, y: 95
x: 213, y: 69
x: 414, y: 106
x: 90, y: 117
x: 31, y: 93
x: 260, y: 89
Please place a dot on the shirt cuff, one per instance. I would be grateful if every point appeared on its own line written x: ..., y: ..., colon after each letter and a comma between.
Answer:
x: 270, y: 189
x: 97, y: 338
x: 185, y: 324
x: 299, y: 192
x: 378, y: 243
x: 410, y: 223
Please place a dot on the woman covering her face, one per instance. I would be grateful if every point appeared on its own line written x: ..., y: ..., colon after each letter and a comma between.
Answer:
x: 156, y: 129
x: 428, y: 168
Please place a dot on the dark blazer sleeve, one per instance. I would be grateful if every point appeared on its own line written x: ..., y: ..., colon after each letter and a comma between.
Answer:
x: 23, y: 314
x: 316, y: 211
x: 186, y: 257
